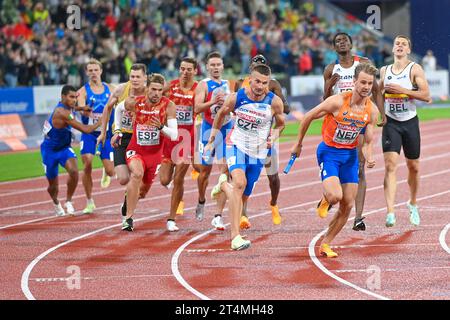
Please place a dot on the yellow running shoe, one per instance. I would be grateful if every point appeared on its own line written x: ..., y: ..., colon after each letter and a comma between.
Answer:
x: 216, y: 190
x: 194, y: 174
x: 244, y: 223
x: 180, y: 209
x: 326, y: 251
x: 276, y: 218
x: 106, y: 180
x: 323, y: 207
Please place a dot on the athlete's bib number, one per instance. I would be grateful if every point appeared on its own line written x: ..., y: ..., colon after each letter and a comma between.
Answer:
x: 185, y: 115
x: 127, y: 121
x: 47, y: 127
x: 147, y: 135
x: 94, y: 118
x: 345, y: 134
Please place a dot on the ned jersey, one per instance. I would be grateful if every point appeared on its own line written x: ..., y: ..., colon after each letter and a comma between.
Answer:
x: 343, y: 130
x: 253, y: 121
x: 215, y: 88
x: 399, y: 107
x: 345, y: 82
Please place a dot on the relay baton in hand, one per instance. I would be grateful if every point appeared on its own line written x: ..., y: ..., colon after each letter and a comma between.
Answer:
x: 290, y: 163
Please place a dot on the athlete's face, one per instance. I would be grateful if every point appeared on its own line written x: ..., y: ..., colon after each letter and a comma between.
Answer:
x: 363, y: 84
x: 401, y: 47
x: 342, y: 44
x: 215, y: 67
x: 138, y: 79
x: 187, y: 71
x: 70, y: 99
x: 259, y: 83
x: 155, y: 92
x: 94, y: 72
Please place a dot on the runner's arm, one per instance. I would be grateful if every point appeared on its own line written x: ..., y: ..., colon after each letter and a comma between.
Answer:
x: 238, y: 85
x: 276, y: 88
x: 228, y: 106
x: 171, y: 129
x: 199, y: 100
x: 367, y: 147
x: 329, y: 81
x: 118, y: 115
x: 277, y: 109
x: 67, y: 117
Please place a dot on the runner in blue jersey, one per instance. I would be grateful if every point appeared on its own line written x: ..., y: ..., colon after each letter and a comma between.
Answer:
x: 56, y: 149
x: 95, y: 94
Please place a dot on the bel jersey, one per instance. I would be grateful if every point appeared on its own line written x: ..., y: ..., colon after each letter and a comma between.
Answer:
x: 213, y: 89
x: 345, y: 82
x: 399, y: 107
x: 252, y: 124
x: 184, y: 101
x: 147, y: 138
x: 97, y: 102
x: 342, y: 131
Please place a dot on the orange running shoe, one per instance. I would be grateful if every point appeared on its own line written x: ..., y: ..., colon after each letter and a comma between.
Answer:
x: 180, y: 209
x: 244, y: 223
x: 326, y: 251
x: 194, y: 174
x: 276, y: 218
x: 323, y: 207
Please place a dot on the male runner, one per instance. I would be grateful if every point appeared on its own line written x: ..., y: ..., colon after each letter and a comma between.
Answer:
x: 346, y: 114
x: 94, y: 94
x: 403, y: 82
x: 56, y: 149
x: 338, y: 78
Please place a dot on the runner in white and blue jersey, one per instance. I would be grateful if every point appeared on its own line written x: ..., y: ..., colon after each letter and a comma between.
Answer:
x: 95, y: 94
x: 56, y: 149
x: 254, y: 107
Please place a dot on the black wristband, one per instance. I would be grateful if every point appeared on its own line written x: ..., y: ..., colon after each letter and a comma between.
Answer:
x: 162, y: 127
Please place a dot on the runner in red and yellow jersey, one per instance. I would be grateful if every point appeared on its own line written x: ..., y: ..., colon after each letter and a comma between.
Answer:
x: 346, y: 115
x: 177, y: 155
x: 154, y: 117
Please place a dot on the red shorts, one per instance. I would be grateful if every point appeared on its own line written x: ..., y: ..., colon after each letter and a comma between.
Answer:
x: 181, y: 150
x: 150, y: 163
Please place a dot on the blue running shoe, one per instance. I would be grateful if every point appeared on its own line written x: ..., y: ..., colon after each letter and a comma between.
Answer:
x: 414, y: 216
x: 390, y: 220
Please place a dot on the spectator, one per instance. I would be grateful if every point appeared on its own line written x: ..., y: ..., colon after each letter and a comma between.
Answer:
x: 429, y: 62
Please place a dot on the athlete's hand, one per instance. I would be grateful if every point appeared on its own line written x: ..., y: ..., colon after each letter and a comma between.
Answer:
x: 333, y: 79
x: 382, y: 121
x: 219, y: 99
x: 115, y: 140
x: 154, y: 121
x: 100, y: 137
x: 296, y: 149
x: 394, y: 88
x: 370, y: 163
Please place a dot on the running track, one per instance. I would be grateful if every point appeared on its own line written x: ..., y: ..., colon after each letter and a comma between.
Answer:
x: 403, y: 262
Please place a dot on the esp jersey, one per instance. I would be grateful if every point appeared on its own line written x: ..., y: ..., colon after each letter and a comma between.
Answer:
x: 184, y: 100
x: 345, y: 82
x: 399, y: 106
x: 343, y: 130
x: 147, y: 138
x: 97, y: 102
x: 252, y: 124
x: 213, y: 89
x: 56, y: 139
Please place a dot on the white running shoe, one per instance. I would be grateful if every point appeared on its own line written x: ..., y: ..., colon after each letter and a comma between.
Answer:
x: 217, y: 223
x: 69, y: 208
x: 238, y: 243
x: 200, y: 211
x: 59, y: 210
x: 106, y: 180
x: 172, y: 226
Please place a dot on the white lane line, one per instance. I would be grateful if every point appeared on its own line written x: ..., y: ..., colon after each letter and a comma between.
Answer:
x: 442, y: 238
x: 325, y: 270
x: 56, y: 279
x: 187, y: 286
x: 390, y: 270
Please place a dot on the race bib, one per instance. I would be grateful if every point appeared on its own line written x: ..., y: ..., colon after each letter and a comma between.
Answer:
x: 147, y: 135
x: 396, y: 103
x: 94, y: 118
x: 346, y: 134
x: 185, y: 115
x: 127, y: 121
x: 47, y: 127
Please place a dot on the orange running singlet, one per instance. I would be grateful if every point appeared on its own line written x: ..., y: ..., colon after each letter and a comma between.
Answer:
x: 343, y: 130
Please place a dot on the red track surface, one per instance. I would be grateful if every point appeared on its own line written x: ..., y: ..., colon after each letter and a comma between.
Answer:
x: 403, y: 262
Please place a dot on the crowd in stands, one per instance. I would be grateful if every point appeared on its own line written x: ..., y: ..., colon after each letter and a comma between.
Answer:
x: 37, y: 47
